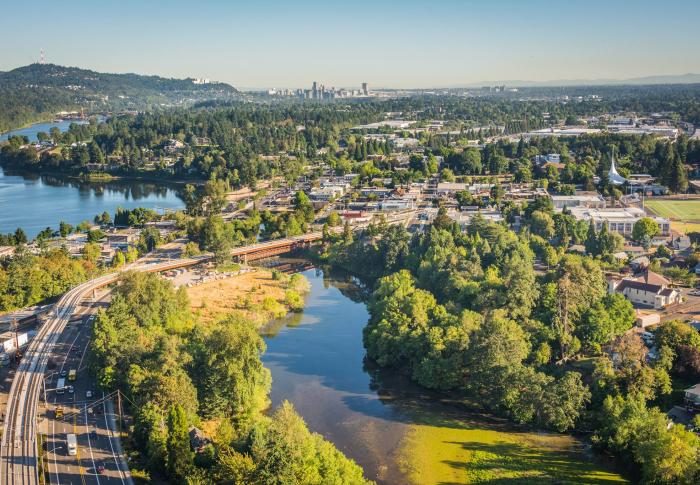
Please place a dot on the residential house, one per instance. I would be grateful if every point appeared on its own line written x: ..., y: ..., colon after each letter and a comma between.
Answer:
x: 648, y: 289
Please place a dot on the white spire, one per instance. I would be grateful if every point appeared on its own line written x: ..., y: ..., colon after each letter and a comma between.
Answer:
x: 614, y: 177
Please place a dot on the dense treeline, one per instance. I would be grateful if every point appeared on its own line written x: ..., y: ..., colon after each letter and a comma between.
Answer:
x: 27, y: 279
x: 37, y: 91
x: 245, y: 142
x: 466, y: 312
x: 178, y: 372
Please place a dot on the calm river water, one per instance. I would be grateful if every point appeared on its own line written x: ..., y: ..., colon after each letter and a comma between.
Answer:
x: 32, y: 130
x: 317, y: 363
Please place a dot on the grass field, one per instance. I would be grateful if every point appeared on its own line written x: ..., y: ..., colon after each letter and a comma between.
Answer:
x: 452, y: 451
x: 683, y: 210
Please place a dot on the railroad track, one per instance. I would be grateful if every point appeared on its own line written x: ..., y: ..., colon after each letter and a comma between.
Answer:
x: 18, y: 448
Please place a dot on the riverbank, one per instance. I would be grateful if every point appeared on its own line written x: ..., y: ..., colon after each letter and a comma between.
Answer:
x: 399, y: 432
x: 259, y: 295
x: 461, y: 450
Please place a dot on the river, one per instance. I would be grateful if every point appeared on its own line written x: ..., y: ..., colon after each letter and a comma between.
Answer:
x: 32, y: 130
x: 34, y: 202
x: 398, y: 432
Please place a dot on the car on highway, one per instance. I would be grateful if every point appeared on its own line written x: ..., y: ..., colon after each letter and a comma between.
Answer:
x: 101, y: 470
x: 71, y: 389
x: 63, y: 373
x: 88, y: 394
x: 58, y: 413
x: 72, y: 444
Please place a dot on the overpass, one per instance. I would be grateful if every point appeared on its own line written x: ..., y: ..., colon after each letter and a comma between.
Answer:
x: 18, y: 449
x: 19, y: 455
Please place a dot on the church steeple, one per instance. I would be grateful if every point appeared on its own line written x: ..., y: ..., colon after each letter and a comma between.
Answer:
x: 614, y: 177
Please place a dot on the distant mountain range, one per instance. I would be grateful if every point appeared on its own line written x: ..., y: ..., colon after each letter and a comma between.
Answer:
x: 637, y: 81
x: 36, y: 91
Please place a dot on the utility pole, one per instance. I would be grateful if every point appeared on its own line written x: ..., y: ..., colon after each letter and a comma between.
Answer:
x: 119, y: 408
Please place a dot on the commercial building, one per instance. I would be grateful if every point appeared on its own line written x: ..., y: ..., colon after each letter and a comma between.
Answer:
x: 595, y: 201
x: 619, y: 219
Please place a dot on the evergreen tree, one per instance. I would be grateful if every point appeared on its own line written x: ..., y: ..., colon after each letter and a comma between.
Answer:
x: 179, y: 454
x: 591, y: 242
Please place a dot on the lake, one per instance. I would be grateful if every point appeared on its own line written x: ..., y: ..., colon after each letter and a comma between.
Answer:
x: 397, y: 431
x: 34, y: 202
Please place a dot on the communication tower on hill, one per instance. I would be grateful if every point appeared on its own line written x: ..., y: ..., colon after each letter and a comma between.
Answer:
x: 42, y: 58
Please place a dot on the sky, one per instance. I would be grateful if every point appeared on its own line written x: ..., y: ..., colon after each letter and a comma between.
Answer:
x: 387, y: 43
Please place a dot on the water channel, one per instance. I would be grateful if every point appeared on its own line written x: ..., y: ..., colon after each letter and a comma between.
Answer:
x: 317, y: 362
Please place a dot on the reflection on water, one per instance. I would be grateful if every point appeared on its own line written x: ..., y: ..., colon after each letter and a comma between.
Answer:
x: 44, y: 200
x: 317, y: 361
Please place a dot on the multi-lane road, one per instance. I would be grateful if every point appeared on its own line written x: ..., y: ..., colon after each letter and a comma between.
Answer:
x: 98, y: 445
x: 19, y: 451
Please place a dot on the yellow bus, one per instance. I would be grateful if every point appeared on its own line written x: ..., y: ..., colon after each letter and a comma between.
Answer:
x: 72, y: 374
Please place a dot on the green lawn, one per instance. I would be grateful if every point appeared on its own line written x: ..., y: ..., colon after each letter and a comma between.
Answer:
x: 682, y: 210
x: 456, y: 451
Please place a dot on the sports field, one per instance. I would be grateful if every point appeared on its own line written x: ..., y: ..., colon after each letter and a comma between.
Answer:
x: 684, y: 214
x: 682, y: 210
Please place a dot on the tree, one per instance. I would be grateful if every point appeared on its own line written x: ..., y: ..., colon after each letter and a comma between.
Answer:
x: 149, y: 239
x: 334, y: 219
x: 65, y: 229
x: 644, y: 227
x: 580, y: 282
x: 447, y: 175
x: 179, y: 454
x: 20, y: 237
x: 591, y: 242
x: 118, y: 260
x: 542, y: 224
x: 92, y: 252
x: 214, y: 196
x: 232, y: 380
x: 95, y: 236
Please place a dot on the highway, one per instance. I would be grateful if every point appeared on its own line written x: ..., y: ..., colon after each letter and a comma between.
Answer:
x: 19, y: 451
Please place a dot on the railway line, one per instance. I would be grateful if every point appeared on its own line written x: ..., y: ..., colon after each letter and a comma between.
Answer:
x: 19, y: 452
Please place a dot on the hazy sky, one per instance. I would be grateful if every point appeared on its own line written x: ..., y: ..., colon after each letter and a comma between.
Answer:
x: 392, y: 43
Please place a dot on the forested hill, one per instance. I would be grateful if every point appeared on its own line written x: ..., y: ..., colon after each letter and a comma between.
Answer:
x: 37, y: 91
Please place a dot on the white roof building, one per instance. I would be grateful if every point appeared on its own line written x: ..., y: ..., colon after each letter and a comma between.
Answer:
x: 619, y: 219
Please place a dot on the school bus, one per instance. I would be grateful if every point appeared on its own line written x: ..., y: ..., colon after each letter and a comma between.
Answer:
x: 72, y: 374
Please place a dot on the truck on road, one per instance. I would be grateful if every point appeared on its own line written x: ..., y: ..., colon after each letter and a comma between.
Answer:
x: 11, y: 342
x: 61, y: 386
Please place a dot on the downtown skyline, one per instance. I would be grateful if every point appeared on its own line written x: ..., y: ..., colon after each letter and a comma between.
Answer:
x: 388, y: 44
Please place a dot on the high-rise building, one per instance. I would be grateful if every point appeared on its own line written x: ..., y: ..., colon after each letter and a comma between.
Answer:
x: 365, y: 89
x: 314, y: 90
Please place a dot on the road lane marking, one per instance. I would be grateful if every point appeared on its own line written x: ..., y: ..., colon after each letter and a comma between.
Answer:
x: 109, y: 438
x: 92, y: 457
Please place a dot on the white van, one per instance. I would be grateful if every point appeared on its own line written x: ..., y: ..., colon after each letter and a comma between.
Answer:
x: 61, y: 386
x: 72, y: 442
